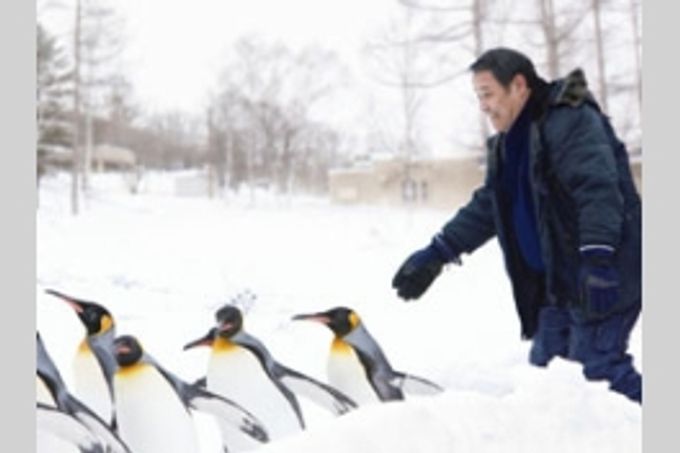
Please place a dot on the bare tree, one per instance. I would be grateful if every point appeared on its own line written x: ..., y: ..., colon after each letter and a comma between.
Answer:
x: 558, y: 24
x: 53, y: 87
x: 95, y: 38
x: 317, y: 73
x: 119, y: 108
x: 179, y: 139
x: 394, y: 55
x: 76, y: 155
x: 260, y: 116
x: 602, y: 74
x: 637, y: 45
x: 100, y: 41
x: 455, y: 26
x: 226, y: 119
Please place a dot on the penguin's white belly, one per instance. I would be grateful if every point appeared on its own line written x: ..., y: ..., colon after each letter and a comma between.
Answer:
x: 347, y: 374
x: 90, y: 384
x: 238, y: 374
x: 46, y: 442
x: 151, y: 418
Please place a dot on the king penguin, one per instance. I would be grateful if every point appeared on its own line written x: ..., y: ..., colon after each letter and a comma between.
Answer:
x: 93, y: 364
x: 242, y: 368
x: 152, y: 405
x: 61, y: 415
x: 357, y: 365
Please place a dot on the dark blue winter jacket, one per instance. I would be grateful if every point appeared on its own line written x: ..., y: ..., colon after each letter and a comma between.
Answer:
x: 583, y: 193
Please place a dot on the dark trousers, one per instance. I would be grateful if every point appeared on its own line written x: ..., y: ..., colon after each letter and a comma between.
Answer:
x: 600, y: 346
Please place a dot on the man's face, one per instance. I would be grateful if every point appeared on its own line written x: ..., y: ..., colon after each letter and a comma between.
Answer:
x: 502, y: 105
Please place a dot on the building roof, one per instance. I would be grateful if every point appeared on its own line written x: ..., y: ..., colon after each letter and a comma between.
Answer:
x: 103, y: 152
x: 111, y: 153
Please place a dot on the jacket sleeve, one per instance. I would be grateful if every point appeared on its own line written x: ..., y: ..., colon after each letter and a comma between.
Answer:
x: 473, y: 224
x: 585, y: 166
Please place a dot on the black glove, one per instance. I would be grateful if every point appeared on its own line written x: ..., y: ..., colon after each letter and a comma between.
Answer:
x: 422, y: 267
x: 599, y: 281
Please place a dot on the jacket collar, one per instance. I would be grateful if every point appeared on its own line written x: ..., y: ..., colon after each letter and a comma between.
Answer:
x: 571, y: 90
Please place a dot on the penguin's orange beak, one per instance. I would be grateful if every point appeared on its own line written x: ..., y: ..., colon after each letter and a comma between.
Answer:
x: 75, y: 305
x: 206, y: 340
x: 226, y: 327
x: 122, y: 349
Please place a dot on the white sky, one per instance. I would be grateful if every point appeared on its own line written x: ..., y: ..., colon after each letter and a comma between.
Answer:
x: 177, y: 44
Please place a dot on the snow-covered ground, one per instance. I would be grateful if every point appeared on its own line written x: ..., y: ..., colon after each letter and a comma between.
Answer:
x: 162, y: 264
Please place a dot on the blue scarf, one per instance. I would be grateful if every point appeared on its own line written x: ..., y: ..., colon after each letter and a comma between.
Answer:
x: 516, y: 186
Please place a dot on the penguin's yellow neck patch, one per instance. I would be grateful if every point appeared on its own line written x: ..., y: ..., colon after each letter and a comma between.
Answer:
x: 84, y: 348
x: 131, y: 370
x: 340, y: 347
x: 223, y: 345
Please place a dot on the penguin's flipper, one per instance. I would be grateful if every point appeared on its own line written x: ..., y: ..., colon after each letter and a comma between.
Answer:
x: 386, y: 389
x: 196, y: 397
x: 68, y: 428
x: 47, y: 370
x: 95, y: 424
x: 227, y: 410
x: 415, y: 385
x: 322, y: 394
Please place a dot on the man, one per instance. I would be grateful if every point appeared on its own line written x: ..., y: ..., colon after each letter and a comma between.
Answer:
x: 559, y: 196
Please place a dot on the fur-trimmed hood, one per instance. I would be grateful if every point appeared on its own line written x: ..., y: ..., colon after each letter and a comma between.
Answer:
x: 572, y: 90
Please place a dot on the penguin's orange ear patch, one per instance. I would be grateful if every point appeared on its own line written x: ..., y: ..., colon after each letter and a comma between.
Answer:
x: 354, y: 320
x: 105, y: 324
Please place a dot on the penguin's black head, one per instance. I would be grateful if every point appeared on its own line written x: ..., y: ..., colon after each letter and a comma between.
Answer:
x: 229, y: 320
x: 127, y: 350
x: 341, y: 320
x: 205, y: 340
x: 94, y: 317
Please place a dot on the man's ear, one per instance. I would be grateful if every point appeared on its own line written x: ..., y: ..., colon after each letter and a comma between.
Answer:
x: 519, y: 83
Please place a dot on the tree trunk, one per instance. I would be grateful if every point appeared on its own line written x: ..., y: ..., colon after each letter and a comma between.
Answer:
x: 551, y: 43
x: 600, y: 56
x: 477, y: 18
x: 87, y: 156
x: 76, y: 115
x: 637, y: 46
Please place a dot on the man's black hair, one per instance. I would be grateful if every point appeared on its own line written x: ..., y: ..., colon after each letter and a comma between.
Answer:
x: 505, y: 64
